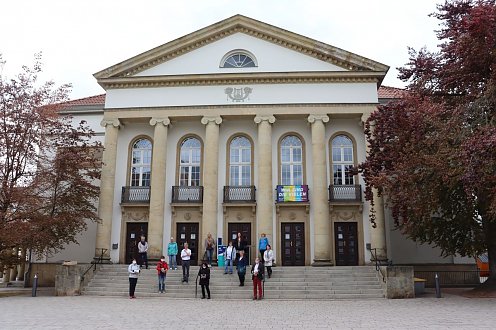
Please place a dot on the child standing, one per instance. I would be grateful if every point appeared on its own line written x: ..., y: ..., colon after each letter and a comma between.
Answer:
x: 162, y: 269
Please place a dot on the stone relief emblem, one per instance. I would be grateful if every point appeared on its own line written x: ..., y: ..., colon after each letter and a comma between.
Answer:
x: 187, y: 216
x: 238, y: 94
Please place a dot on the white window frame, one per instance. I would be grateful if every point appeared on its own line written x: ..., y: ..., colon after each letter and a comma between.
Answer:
x: 190, y: 164
x: 342, y: 163
x: 240, y: 164
x: 292, y: 163
x: 141, y: 165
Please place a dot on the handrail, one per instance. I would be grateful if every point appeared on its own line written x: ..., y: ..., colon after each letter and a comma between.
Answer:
x: 196, y: 285
x: 377, y: 266
x: 94, y: 263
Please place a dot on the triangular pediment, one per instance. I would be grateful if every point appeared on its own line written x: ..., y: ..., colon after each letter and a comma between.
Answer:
x: 310, y: 54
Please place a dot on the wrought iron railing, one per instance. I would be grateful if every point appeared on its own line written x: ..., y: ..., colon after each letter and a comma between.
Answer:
x: 135, y: 195
x: 239, y: 194
x: 451, y: 278
x: 378, y: 268
x: 187, y: 194
x: 345, y: 193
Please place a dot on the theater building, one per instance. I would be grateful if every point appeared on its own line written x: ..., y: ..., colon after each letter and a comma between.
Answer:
x: 238, y: 127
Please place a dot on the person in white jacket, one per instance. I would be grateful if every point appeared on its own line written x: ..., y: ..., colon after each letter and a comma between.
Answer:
x: 230, y: 256
x: 133, y: 271
x: 269, y: 259
x: 143, y: 251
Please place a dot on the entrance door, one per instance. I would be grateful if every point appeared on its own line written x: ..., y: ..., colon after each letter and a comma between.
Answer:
x: 134, y: 232
x: 188, y: 232
x: 245, y: 229
x: 346, y: 243
x: 293, y: 243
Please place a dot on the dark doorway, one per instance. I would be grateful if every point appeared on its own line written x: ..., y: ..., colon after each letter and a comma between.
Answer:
x: 134, y: 232
x: 346, y: 243
x: 245, y: 229
x: 188, y: 232
x: 293, y: 243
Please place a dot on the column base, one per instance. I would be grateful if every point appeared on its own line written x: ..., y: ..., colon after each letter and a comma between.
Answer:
x: 322, y: 263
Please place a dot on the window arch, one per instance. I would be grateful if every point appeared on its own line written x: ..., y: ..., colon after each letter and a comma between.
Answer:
x: 291, y: 160
x: 240, y: 161
x: 238, y: 59
x: 190, y: 162
x: 141, y: 158
x: 343, y: 160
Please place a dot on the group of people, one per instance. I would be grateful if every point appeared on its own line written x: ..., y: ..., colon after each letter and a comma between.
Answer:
x: 234, y: 254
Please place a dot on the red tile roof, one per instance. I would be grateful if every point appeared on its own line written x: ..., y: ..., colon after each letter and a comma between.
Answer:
x: 385, y: 92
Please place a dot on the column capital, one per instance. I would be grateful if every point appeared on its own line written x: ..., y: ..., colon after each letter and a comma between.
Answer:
x: 313, y: 118
x: 209, y: 119
x: 365, y: 117
x: 164, y: 121
x: 113, y: 122
x: 270, y: 119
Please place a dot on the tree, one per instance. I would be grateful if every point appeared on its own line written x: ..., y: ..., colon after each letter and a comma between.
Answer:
x: 48, y: 168
x: 433, y: 153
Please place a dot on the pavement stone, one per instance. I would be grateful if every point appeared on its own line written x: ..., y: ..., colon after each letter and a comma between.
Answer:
x: 88, y: 312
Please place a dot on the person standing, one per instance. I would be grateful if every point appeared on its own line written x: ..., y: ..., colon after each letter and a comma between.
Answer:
x: 133, y: 271
x: 262, y: 245
x: 162, y: 269
x: 185, y: 261
x: 209, y: 248
x: 204, y: 274
x: 229, y: 256
x: 257, y: 273
x: 268, y: 259
x: 142, y: 251
x: 241, y: 267
x: 172, y: 253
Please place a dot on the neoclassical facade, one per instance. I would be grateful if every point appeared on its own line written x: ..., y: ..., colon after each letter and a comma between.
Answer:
x: 238, y: 127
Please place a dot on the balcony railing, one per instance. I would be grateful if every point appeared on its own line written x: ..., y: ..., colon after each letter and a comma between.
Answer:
x: 345, y: 193
x: 135, y: 195
x: 233, y: 194
x: 187, y: 194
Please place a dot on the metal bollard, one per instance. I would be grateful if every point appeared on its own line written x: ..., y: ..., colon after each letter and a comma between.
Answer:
x: 438, y: 287
x: 35, y: 285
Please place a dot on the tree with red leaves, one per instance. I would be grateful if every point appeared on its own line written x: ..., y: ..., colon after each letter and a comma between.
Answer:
x: 48, y: 168
x: 433, y: 153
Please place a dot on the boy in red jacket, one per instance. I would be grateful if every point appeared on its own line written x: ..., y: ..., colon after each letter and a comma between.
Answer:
x: 162, y: 268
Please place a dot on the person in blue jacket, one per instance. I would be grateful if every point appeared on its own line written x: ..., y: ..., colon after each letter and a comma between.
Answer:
x: 241, y: 267
x: 262, y: 245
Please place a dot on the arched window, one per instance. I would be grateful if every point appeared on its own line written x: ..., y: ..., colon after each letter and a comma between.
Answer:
x: 238, y: 59
x: 342, y: 160
x: 141, y: 163
x: 291, y: 161
x: 189, y: 163
x: 240, y: 162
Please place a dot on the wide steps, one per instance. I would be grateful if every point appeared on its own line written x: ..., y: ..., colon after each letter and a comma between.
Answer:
x: 286, y: 283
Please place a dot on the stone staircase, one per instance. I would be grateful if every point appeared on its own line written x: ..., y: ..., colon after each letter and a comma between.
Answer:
x: 286, y: 283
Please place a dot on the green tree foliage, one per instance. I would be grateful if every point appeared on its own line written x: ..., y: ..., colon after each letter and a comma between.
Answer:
x: 48, y: 168
x: 433, y: 154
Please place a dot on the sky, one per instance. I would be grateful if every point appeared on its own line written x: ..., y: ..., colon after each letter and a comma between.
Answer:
x: 80, y: 38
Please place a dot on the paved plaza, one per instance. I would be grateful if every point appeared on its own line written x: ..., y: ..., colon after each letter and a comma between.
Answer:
x: 84, y: 312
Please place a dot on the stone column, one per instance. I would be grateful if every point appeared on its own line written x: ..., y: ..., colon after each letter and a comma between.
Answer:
x: 107, y: 186
x: 157, y: 189
x: 265, y: 198
x: 210, y: 179
x: 319, y: 193
x: 377, y: 231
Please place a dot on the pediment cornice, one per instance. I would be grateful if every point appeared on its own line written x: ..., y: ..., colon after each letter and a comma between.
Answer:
x: 240, y: 24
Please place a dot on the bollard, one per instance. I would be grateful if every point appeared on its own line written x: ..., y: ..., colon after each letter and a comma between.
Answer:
x: 438, y: 287
x: 35, y: 284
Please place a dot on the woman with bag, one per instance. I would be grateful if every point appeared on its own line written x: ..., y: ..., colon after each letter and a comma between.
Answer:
x: 204, y: 275
x: 241, y: 267
x: 133, y: 271
x: 268, y: 259
x: 209, y: 248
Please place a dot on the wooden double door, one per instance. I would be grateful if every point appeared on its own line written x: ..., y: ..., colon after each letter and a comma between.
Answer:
x: 134, y: 231
x: 293, y: 243
x: 346, y: 243
x: 240, y: 227
x: 187, y: 232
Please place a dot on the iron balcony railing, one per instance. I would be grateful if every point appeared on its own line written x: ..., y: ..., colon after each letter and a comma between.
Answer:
x: 135, y: 195
x: 187, y: 194
x: 345, y: 193
x: 233, y: 194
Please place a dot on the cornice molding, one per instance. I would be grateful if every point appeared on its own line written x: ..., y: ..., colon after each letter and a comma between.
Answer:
x: 241, y: 79
x: 164, y: 121
x: 270, y: 119
x: 113, y: 122
x: 211, y: 119
x: 313, y: 118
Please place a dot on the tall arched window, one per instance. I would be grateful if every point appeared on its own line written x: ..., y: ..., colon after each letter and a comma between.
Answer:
x: 240, y: 162
x: 189, y: 164
x: 342, y: 160
x: 141, y: 163
x: 291, y: 161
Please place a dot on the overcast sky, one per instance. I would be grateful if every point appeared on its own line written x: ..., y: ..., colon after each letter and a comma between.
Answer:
x: 79, y: 38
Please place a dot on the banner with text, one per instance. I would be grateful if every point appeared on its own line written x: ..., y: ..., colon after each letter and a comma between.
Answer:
x: 292, y: 193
